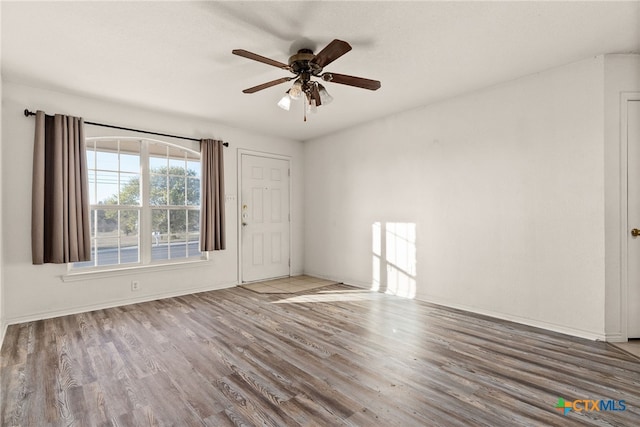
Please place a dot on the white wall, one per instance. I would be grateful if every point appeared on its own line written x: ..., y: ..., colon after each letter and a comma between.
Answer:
x: 506, y: 190
x: 622, y: 75
x: 34, y: 292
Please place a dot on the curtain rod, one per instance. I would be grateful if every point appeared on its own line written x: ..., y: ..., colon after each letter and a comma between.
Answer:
x: 28, y: 113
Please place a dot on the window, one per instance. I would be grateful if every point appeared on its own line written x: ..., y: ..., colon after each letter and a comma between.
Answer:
x: 145, y: 202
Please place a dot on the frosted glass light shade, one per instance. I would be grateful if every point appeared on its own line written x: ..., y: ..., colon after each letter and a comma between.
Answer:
x: 285, y: 102
x: 325, y: 98
x: 296, y: 90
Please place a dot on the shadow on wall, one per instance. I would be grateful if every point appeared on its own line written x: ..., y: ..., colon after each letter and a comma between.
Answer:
x: 394, y: 258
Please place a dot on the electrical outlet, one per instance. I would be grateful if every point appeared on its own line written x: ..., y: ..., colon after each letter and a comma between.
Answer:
x: 135, y: 285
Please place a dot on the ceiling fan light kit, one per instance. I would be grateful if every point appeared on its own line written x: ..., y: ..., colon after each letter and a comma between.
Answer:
x: 324, y: 95
x: 296, y: 90
x: 285, y: 101
x: 305, y: 66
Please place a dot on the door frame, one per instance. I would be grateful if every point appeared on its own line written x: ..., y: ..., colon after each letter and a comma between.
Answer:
x: 625, y: 97
x: 242, y: 152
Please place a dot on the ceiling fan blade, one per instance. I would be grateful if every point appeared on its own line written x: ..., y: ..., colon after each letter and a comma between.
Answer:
x: 259, y: 58
x: 331, y: 52
x: 268, y: 84
x: 344, y: 79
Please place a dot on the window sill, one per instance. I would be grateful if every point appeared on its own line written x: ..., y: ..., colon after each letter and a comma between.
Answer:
x: 78, y: 276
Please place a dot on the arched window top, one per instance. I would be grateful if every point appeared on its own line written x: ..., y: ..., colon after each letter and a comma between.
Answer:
x: 129, y: 142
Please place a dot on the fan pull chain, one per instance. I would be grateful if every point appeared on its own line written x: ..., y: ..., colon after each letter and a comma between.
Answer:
x: 304, y: 108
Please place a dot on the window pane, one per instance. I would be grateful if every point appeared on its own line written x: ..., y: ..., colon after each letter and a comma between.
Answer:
x: 160, y: 252
x: 183, y: 244
x: 176, y: 191
x: 158, y: 190
x: 193, y: 223
x: 193, y: 169
x: 177, y: 224
x: 129, y: 163
x: 106, y: 251
x: 106, y: 223
x: 107, y: 187
x: 129, y: 189
x: 91, y: 158
x: 118, y: 240
x: 107, y: 161
x: 178, y: 250
x: 193, y: 191
x: 157, y: 164
x: 159, y: 221
x: 129, y: 221
x: 177, y: 166
x: 92, y: 223
x: 159, y: 230
x: 192, y: 249
x: 92, y: 187
x: 130, y: 254
x: 193, y: 245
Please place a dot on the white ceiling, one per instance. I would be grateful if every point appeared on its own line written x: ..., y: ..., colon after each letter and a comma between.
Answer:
x: 176, y: 56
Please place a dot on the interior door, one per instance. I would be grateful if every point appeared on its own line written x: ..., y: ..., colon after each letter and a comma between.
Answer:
x: 633, y: 218
x: 265, y: 218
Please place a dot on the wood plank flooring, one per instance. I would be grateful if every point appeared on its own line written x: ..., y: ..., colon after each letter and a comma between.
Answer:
x: 331, y: 356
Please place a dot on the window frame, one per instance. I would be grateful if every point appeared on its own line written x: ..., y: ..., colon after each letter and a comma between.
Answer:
x: 145, y: 209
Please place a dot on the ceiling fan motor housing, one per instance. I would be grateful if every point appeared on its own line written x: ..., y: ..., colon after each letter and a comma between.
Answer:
x: 302, y: 62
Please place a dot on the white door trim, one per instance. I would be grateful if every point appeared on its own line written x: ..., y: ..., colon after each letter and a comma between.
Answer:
x: 625, y: 97
x: 241, y: 152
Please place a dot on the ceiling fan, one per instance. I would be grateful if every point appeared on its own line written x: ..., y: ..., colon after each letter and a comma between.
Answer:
x: 305, y: 65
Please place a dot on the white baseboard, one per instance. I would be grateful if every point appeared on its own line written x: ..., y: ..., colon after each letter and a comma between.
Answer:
x: 339, y: 280
x: 615, y: 337
x: 319, y: 276
x: 580, y: 333
x: 111, y: 304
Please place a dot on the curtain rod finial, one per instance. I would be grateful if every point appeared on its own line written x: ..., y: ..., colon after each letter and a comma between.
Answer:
x: 26, y: 112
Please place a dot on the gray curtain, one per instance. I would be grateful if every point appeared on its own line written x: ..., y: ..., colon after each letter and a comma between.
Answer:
x: 60, y: 230
x: 212, y: 224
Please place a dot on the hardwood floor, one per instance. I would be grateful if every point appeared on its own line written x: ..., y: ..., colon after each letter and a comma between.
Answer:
x: 331, y: 356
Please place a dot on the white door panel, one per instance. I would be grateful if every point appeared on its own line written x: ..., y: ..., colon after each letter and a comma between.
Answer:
x: 264, y: 217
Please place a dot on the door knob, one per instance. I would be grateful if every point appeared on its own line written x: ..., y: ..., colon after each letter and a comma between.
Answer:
x: 635, y: 232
